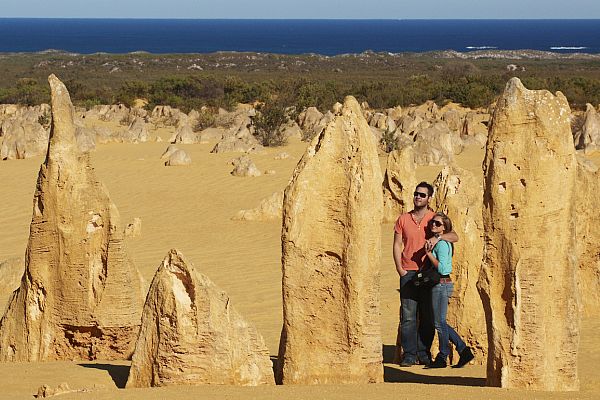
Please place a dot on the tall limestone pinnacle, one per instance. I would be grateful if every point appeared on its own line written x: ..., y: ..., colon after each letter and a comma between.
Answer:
x: 331, y: 242
x: 528, y: 281
x: 80, y: 296
x: 192, y: 335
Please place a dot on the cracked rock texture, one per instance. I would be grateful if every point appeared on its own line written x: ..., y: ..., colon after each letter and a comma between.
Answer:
x: 529, y: 276
x: 458, y: 194
x: 192, y: 335
x: 331, y: 242
x: 80, y: 297
x: 399, y: 182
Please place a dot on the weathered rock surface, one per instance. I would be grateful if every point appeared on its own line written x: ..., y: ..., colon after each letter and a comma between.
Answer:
x: 137, y: 132
x: 169, y: 151
x: 243, y: 166
x: 134, y: 229
x: 112, y: 113
x: 23, y: 139
x: 331, y: 249
x: 80, y: 296
x: 165, y: 116
x: 399, y: 182
x: 588, y: 235
x: 291, y: 129
x: 309, y: 118
x: 85, y: 138
x: 588, y: 138
x: 239, y: 139
x: 459, y: 194
x: 312, y: 122
x: 529, y: 275
x: 11, y: 271
x: 270, y: 208
x: 436, y: 145
x: 185, y: 134
x: 192, y: 335
x: 178, y: 158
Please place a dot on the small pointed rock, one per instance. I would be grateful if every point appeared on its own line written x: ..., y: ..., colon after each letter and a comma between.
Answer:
x: 192, y: 335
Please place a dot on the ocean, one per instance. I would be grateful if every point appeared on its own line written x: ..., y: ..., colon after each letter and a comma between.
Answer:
x: 328, y: 37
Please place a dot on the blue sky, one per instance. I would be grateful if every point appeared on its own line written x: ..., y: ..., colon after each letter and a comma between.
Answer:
x: 375, y: 9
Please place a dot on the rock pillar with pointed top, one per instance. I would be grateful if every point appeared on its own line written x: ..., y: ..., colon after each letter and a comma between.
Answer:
x: 529, y: 276
x: 331, y: 241
x: 80, y: 296
x: 191, y: 334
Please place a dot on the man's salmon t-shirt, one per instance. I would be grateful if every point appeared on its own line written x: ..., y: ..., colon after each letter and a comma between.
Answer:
x: 413, y: 238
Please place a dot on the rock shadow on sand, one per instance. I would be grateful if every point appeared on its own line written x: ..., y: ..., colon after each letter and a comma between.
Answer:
x: 393, y: 374
x: 118, y: 373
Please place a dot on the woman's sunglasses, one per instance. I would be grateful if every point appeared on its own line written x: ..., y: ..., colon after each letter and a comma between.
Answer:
x: 420, y: 194
x: 436, y: 223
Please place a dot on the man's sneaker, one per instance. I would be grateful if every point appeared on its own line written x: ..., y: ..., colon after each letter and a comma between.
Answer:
x: 407, y: 363
x: 466, y: 356
x: 439, y: 362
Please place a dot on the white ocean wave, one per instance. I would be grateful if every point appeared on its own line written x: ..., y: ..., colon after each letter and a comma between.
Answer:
x: 481, y: 47
x: 568, y: 47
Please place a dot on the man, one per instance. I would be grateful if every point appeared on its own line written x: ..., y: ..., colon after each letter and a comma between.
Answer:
x: 410, y: 235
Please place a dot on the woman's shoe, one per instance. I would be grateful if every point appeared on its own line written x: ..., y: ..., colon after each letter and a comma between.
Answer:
x: 437, y: 363
x: 466, y: 356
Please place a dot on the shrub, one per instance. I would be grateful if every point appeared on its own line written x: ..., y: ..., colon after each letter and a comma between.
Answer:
x: 206, y: 119
x: 45, y: 120
x: 268, y: 123
x: 388, y: 141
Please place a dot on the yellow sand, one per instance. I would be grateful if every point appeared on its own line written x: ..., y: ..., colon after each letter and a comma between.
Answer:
x: 190, y: 208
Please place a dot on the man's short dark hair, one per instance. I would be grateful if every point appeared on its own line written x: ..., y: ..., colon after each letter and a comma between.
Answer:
x: 426, y: 186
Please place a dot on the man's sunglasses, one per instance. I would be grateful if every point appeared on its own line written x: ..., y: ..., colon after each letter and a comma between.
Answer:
x: 436, y: 223
x: 420, y: 194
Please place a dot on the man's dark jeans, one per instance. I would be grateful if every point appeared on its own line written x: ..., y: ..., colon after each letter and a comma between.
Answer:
x: 417, y: 320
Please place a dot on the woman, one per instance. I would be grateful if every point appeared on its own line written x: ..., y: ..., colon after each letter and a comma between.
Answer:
x: 440, y: 256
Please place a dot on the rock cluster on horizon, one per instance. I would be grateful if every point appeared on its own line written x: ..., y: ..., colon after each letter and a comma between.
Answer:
x: 331, y: 242
x: 529, y: 277
x: 80, y: 297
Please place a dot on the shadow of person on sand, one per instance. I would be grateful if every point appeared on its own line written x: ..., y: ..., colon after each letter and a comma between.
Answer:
x: 395, y: 374
x: 118, y: 373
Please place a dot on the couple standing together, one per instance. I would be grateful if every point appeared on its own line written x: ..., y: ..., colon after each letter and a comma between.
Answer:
x: 424, y: 239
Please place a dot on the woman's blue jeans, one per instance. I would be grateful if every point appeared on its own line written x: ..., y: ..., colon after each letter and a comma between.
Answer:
x: 440, y: 294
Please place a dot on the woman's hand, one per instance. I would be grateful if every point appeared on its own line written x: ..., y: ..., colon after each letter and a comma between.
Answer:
x: 428, y: 247
x: 432, y: 241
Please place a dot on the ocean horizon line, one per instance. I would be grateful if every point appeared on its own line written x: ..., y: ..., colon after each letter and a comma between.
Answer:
x: 298, y: 19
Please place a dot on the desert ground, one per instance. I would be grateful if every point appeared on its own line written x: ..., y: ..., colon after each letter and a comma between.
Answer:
x: 190, y: 208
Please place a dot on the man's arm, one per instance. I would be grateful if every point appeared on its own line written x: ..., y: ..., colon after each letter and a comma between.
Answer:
x: 451, y: 237
x: 398, y: 254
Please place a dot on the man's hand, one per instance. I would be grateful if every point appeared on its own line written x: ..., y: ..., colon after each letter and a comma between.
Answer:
x: 402, y: 272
